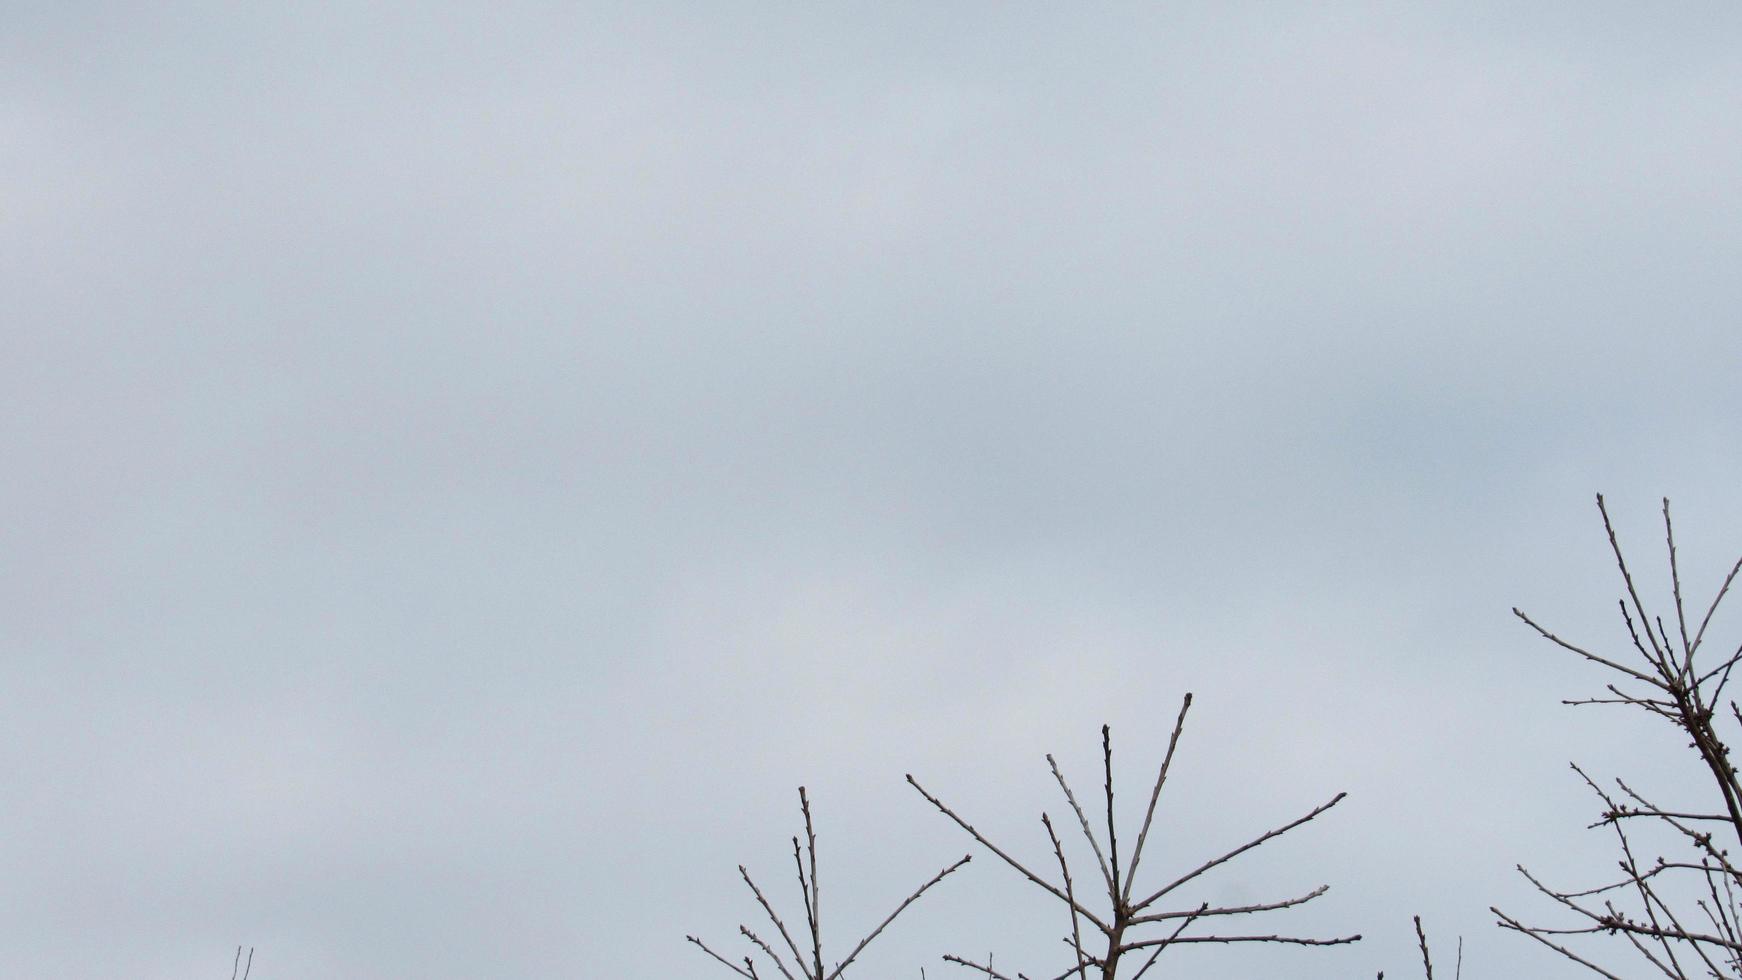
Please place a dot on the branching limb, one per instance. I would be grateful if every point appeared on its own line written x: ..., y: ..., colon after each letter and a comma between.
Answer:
x: 808, y: 964
x: 1154, y: 795
x: 1588, y: 655
x: 729, y: 964
x: 1289, y: 940
x: 1006, y: 858
x: 1123, y: 920
x: 1205, y: 911
x: 1507, y: 922
x: 812, y: 895
x: 768, y: 951
x: 970, y: 964
x: 1070, y: 899
x: 1651, y: 923
x: 1157, y: 951
x: 1113, y: 890
x: 921, y: 890
x: 1083, y: 820
x: 1236, y: 852
x: 772, y: 917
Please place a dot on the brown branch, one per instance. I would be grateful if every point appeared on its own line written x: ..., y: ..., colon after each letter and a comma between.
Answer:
x: 1236, y: 852
x: 970, y: 964
x: 1656, y: 931
x: 1206, y: 911
x: 1722, y: 668
x: 769, y: 950
x: 810, y: 912
x: 814, y: 897
x: 797, y: 956
x: 805, y: 861
x: 1070, y: 897
x: 1700, y: 634
x: 729, y: 964
x: 1615, y: 815
x: 1154, y: 795
x: 1507, y: 922
x: 1113, y: 891
x: 1083, y: 820
x: 1627, y: 577
x: 1125, y: 917
x: 1289, y: 940
x: 1156, y: 953
x: 1675, y: 578
x: 1017, y: 865
x: 921, y: 890
x: 1588, y: 655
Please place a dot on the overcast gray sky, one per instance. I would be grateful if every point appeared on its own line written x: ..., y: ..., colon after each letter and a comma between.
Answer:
x: 467, y: 464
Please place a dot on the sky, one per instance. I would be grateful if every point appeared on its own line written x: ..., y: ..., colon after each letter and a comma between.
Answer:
x: 468, y: 464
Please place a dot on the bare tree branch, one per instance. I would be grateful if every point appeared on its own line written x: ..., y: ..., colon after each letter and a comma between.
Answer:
x: 1236, y: 852
x: 729, y: 964
x: 1154, y: 795
x: 1083, y: 820
x: 1654, y: 904
x: 809, y: 968
x: 1070, y: 897
x: 909, y: 900
x: 1007, y: 859
x: 1123, y: 918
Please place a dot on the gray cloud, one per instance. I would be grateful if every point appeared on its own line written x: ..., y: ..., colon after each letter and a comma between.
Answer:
x: 469, y: 465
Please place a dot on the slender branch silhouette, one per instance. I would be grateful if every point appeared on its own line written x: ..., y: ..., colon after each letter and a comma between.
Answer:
x: 1121, y: 918
x: 1679, y: 913
x: 801, y: 965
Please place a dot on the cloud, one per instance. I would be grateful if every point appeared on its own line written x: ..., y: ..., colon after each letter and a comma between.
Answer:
x: 470, y: 465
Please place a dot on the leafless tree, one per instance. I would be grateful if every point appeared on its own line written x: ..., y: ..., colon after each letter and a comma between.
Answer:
x: 1678, y: 908
x: 807, y: 961
x: 1128, y: 911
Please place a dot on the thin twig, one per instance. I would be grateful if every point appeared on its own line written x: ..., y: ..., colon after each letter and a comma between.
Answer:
x: 1070, y: 896
x: 814, y: 898
x: 1588, y: 655
x: 1154, y: 795
x: 729, y: 964
x: 1208, y: 912
x: 1154, y: 954
x: 768, y: 950
x: 1113, y: 891
x: 1083, y: 821
x: 1236, y: 852
x: 921, y: 890
x: 1007, y: 859
x: 970, y: 964
x: 797, y: 956
x: 1507, y: 922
